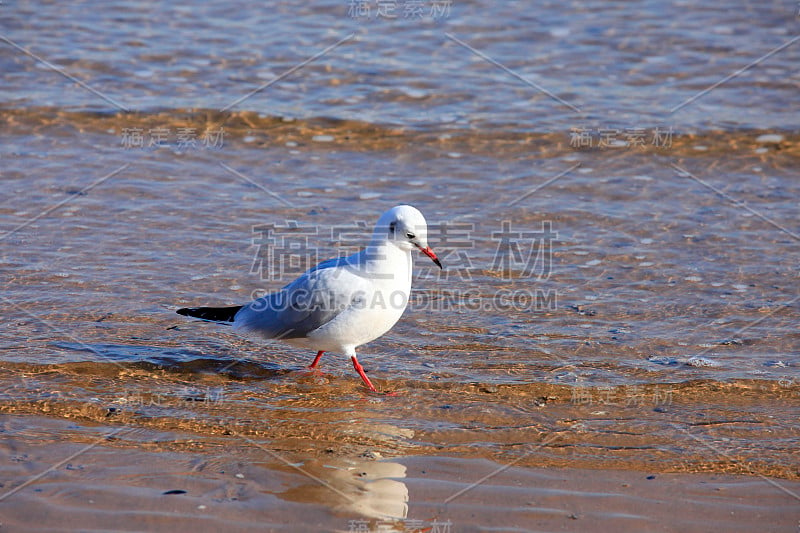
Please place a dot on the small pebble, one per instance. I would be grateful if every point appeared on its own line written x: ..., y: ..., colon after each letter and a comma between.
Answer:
x: 415, y: 93
x: 769, y: 138
x: 701, y: 362
x: 371, y: 454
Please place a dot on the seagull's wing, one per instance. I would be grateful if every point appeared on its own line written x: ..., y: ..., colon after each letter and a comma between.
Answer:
x: 306, y: 304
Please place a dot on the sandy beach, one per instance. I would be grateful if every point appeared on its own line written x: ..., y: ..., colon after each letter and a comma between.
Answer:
x: 107, y: 478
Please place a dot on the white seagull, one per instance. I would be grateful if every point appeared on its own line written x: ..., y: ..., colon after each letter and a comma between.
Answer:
x: 341, y: 303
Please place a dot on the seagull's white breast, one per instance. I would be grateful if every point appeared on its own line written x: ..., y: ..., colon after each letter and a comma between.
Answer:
x: 378, y: 296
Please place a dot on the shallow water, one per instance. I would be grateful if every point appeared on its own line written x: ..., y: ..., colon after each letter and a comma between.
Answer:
x: 619, y: 278
x: 113, y: 477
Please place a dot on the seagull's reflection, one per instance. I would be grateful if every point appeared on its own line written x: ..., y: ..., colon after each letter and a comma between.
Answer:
x: 355, y: 488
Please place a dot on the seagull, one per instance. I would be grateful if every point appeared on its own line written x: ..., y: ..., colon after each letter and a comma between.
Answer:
x: 341, y: 303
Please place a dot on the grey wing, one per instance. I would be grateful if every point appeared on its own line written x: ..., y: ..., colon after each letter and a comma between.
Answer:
x: 299, y: 308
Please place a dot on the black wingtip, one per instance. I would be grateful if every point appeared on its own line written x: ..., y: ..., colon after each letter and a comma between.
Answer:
x: 215, y: 314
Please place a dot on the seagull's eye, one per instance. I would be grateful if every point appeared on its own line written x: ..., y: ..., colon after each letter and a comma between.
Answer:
x: 410, y: 235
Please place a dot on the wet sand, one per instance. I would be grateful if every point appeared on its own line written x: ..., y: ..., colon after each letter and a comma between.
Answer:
x: 59, y: 475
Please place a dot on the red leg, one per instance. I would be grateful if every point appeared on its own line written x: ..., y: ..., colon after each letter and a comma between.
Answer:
x: 360, y: 370
x: 316, y: 359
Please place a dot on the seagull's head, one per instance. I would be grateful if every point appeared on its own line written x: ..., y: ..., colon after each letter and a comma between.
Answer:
x: 405, y: 227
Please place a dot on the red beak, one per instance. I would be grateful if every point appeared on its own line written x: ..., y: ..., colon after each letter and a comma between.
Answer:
x: 427, y: 251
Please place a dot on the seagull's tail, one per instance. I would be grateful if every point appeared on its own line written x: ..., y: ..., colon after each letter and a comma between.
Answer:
x: 217, y: 314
